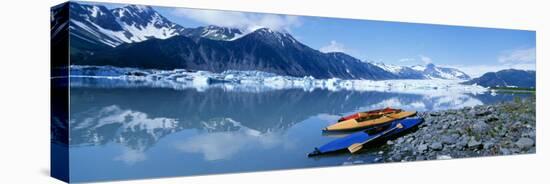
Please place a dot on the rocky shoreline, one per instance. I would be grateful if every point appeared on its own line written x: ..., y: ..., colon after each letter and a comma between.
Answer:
x: 506, y: 128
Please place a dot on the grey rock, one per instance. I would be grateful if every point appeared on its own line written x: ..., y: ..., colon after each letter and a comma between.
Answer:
x: 443, y: 157
x: 532, y: 134
x: 421, y: 148
x: 435, y: 114
x: 488, y: 144
x: 436, y: 146
x: 474, y: 144
x: 515, y: 150
x: 524, y: 143
x: 358, y: 162
x: 502, y: 133
x: 396, y: 157
x: 480, y: 127
x: 427, y: 136
x: 462, y: 143
x: 483, y: 113
x: 400, y: 140
x: 505, y: 151
x: 491, y: 118
x: 448, y: 140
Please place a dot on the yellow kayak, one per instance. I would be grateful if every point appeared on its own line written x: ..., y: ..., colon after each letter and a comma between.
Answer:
x: 352, y: 124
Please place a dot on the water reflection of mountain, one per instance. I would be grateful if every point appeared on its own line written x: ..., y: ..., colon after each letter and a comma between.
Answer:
x: 139, y: 117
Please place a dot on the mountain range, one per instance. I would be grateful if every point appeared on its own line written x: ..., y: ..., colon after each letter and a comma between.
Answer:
x: 139, y: 36
x: 429, y: 71
x: 506, y: 78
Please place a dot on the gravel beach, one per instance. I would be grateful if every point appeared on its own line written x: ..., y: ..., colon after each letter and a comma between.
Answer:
x: 506, y: 128
x: 501, y: 129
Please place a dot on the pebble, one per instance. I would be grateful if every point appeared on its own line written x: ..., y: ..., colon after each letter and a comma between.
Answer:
x: 480, y: 127
x: 474, y: 144
x: 422, y: 148
x: 436, y: 146
x: 347, y: 163
x: 443, y: 157
x: 483, y: 113
x: 358, y: 162
x: 487, y: 145
x: 448, y: 140
x: 524, y: 143
x: 505, y: 151
x: 462, y: 143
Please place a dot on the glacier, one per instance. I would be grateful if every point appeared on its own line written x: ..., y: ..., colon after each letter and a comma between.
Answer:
x: 254, y: 81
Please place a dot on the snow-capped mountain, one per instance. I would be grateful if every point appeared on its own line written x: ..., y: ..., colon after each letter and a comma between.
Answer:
x: 273, y: 37
x: 435, y: 72
x: 96, y: 24
x: 261, y: 50
x: 214, y: 33
x: 144, y: 22
x: 403, y: 72
x: 429, y: 71
x: 96, y: 32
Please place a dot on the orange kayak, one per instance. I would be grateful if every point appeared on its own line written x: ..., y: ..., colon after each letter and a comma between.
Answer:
x: 360, y: 123
x: 373, y: 113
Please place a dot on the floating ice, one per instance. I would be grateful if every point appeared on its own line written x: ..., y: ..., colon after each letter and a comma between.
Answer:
x: 255, y: 81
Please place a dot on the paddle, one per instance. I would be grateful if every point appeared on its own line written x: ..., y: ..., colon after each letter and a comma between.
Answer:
x: 357, y: 146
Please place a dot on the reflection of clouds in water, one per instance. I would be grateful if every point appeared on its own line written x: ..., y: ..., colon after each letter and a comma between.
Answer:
x: 131, y: 157
x: 132, y: 121
x: 396, y: 103
x: 455, y: 102
x: 328, y: 117
x: 428, y: 102
x: 223, y: 145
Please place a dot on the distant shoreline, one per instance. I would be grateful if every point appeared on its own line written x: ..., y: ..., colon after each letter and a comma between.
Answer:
x: 513, y: 90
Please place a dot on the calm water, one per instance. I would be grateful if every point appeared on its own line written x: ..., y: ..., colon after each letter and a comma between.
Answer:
x: 120, y: 133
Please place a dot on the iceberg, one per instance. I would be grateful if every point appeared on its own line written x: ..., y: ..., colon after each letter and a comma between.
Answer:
x: 254, y: 81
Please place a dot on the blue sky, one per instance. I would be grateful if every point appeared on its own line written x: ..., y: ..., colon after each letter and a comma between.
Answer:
x: 473, y: 50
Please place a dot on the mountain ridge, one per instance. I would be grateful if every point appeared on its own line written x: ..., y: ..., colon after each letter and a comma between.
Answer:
x: 429, y: 71
x: 506, y: 78
x: 138, y: 36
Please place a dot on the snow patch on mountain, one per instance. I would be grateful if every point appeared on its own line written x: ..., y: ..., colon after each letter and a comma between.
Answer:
x: 105, y: 36
x: 127, y: 24
x: 388, y: 67
x: 429, y: 71
x: 418, y: 67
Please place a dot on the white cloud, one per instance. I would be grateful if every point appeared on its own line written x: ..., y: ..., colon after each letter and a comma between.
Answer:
x: 333, y: 47
x: 248, y: 21
x: 519, y: 56
x: 522, y: 59
x: 425, y: 59
x: 224, y: 145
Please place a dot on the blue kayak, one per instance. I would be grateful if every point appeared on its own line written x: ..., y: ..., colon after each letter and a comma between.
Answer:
x: 363, y: 136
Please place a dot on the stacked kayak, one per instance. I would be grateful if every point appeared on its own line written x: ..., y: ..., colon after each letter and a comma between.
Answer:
x: 355, y: 122
x: 370, y: 114
x: 355, y: 141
